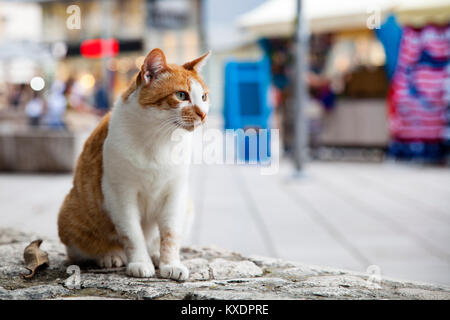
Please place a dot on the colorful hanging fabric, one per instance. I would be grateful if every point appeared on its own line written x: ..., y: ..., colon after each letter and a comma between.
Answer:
x: 419, y: 97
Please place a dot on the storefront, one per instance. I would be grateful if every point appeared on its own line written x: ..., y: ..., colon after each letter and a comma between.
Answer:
x: 348, y: 73
x: 136, y: 25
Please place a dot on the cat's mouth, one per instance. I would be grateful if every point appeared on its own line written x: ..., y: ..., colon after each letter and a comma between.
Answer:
x: 191, y: 126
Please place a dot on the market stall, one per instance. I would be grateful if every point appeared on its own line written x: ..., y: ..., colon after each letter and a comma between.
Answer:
x: 350, y: 66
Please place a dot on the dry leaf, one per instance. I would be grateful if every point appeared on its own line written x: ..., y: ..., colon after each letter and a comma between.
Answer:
x: 34, y: 258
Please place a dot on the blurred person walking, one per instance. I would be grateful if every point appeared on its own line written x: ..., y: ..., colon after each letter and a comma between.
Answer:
x: 57, y: 105
x: 101, y: 102
x: 17, y: 95
x: 34, y: 109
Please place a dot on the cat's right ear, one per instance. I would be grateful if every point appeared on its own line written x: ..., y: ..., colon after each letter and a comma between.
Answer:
x: 154, y: 63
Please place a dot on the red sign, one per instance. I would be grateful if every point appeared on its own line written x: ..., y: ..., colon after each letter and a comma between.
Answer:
x: 99, y: 48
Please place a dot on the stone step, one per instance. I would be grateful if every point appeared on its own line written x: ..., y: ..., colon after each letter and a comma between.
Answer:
x: 215, y: 273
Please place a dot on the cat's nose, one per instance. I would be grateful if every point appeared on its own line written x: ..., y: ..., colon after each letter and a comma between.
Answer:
x: 200, y: 113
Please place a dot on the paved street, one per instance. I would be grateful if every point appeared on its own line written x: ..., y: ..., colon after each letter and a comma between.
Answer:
x: 347, y: 215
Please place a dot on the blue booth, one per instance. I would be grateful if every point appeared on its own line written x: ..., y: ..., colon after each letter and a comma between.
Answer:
x: 247, y: 106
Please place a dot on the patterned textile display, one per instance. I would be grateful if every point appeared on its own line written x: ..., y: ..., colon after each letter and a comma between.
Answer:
x: 419, y: 97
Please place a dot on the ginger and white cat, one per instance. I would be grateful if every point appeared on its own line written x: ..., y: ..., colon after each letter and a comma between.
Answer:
x: 129, y: 202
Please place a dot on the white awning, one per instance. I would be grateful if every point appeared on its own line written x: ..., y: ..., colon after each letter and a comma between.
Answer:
x: 277, y: 17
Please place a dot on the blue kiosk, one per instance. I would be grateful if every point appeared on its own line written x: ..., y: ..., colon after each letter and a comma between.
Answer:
x: 247, y: 106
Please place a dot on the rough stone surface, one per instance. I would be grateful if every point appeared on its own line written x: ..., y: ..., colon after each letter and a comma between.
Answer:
x: 214, y: 274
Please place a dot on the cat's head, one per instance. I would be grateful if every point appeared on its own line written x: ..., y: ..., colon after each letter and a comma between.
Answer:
x: 178, y: 90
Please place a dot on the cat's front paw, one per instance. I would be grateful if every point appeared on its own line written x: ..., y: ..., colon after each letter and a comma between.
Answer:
x: 141, y: 269
x: 174, y: 271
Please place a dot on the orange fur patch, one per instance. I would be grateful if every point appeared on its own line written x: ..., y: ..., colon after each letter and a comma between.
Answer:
x: 82, y: 221
x: 169, y: 247
x: 190, y: 114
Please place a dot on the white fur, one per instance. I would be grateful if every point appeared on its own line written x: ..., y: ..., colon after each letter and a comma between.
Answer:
x: 145, y: 192
x: 196, y: 96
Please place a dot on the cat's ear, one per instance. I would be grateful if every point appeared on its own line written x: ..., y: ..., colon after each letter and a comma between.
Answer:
x: 154, y: 63
x: 198, y: 63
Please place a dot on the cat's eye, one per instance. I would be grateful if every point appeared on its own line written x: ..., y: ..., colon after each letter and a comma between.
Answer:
x: 181, y: 95
x: 204, y: 97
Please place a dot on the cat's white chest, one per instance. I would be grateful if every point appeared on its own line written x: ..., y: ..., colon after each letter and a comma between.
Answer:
x: 138, y: 159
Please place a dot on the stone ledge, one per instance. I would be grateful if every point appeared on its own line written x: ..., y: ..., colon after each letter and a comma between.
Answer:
x: 214, y: 274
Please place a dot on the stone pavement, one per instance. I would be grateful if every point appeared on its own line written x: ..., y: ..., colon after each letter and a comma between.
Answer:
x: 214, y: 274
x: 393, y: 217
x: 347, y: 215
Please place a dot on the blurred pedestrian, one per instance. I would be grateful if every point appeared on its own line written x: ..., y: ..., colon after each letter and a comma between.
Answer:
x: 34, y: 109
x: 57, y: 105
x: 17, y: 95
x: 101, y: 99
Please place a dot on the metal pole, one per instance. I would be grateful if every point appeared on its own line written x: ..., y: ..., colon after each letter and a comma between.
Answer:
x: 203, y: 37
x: 301, y: 92
x: 201, y: 25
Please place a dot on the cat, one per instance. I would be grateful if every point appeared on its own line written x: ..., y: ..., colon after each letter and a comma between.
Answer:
x: 129, y: 200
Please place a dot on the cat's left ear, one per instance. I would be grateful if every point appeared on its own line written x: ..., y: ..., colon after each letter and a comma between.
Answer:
x: 198, y: 63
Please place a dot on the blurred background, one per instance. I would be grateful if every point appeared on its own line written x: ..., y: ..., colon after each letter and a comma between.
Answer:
x: 359, y: 91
